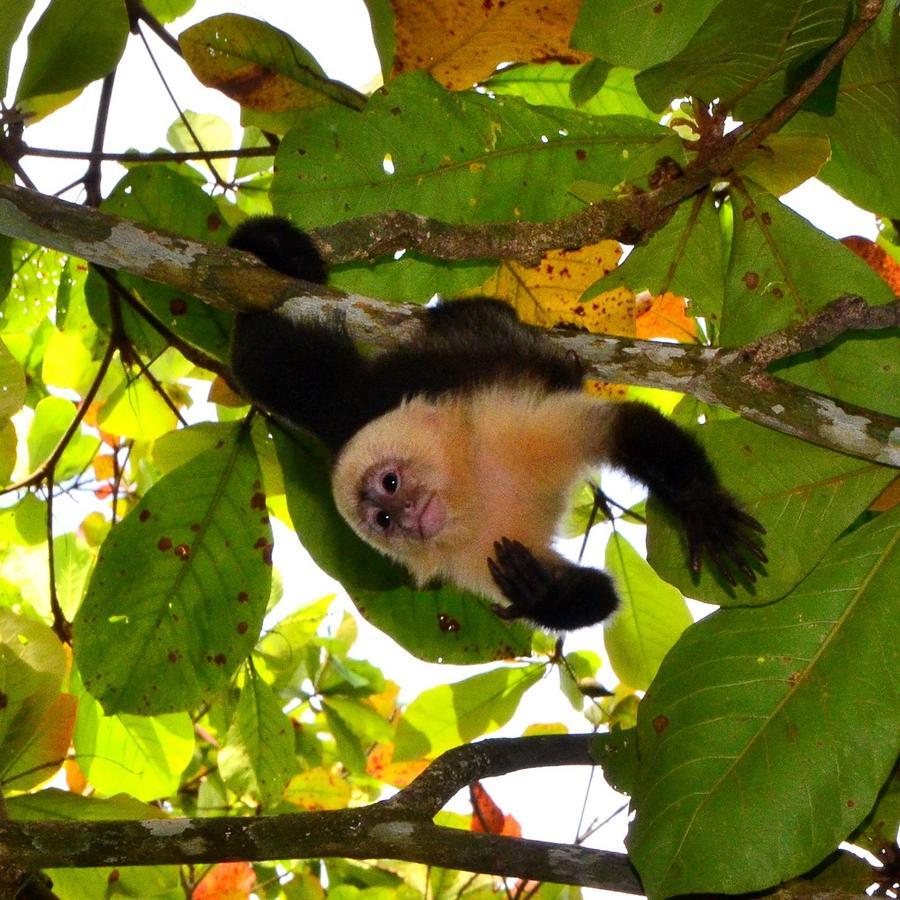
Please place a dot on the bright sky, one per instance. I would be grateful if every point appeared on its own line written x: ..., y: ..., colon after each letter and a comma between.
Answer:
x: 548, y: 803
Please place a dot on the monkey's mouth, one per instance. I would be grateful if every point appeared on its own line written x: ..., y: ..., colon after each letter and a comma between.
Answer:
x: 432, y: 518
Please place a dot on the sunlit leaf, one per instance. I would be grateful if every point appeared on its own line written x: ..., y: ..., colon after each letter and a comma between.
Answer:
x: 317, y: 789
x: 180, y: 587
x: 143, y: 756
x: 257, y: 756
x: 32, y: 667
x: 12, y: 383
x: 71, y: 45
x: 452, y: 714
x: 43, y: 754
x: 52, y: 416
x: 651, y: 618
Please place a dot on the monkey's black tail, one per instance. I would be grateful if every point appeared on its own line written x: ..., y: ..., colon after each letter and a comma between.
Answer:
x: 304, y: 371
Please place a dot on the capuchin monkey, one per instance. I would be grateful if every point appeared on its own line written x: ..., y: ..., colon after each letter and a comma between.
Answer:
x: 455, y: 452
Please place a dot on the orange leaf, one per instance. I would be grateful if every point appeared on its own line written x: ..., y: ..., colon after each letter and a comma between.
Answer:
x: 488, y: 816
x: 380, y: 765
x: 463, y: 42
x: 878, y: 258
x: 888, y: 498
x: 75, y: 780
x: 41, y: 758
x: 104, y: 467
x: 665, y: 317
x: 226, y: 881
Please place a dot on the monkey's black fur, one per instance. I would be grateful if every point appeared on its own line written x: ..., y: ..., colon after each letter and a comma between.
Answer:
x: 312, y: 375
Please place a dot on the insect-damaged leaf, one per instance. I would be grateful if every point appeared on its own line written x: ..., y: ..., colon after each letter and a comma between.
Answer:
x: 180, y: 587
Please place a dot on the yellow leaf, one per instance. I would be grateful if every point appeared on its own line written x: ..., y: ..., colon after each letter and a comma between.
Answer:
x: 551, y: 293
x: 464, y: 42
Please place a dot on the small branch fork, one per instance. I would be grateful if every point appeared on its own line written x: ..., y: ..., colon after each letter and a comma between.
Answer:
x: 399, y: 828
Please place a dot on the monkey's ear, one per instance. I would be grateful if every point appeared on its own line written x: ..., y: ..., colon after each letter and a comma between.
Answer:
x: 281, y: 246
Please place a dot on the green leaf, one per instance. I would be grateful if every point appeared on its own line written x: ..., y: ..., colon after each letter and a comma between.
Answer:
x: 790, y: 710
x: 47, y: 746
x: 259, y: 66
x: 781, y: 271
x: 158, y: 196
x: 864, y: 135
x: 741, y: 53
x: 12, y: 17
x: 29, y: 301
x: 135, y: 409
x: 650, y: 620
x: 24, y: 522
x: 455, y: 155
x: 73, y: 44
x: 361, y: 718
x: 685, y: 256
x: 180, y: 587
x: 617, y: 753
x: 785, y: 161
x: 452, y: 714
x: 9, y: 443
x: 382, y: 17
x: 6, y: 271
x: 624, y: 33
x: 53, y: 804
x: 257, y: 757
x: 68, y: 363
x: 12, y: 384
x: 143, y: 756
x: 32, y: 667
x: 349, y: 747
x: 72, y: 562
x: 804, y: 495
x: 552, y: 84
x: 52, y: 416
x: 211, y: 131
x: 168, y: 10
x: 443, y: 624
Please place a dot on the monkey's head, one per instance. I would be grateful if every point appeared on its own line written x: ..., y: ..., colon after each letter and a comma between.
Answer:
x: 391, y: 484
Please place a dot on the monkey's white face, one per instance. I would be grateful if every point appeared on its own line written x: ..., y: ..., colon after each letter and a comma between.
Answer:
x: 394, y: 504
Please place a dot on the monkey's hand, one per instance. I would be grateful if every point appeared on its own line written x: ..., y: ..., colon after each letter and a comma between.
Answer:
x: 718, y: 527
x: 554, y: 593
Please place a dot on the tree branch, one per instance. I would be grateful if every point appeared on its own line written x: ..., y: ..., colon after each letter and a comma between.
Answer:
x: 229, y: 279
x: 399, y: 828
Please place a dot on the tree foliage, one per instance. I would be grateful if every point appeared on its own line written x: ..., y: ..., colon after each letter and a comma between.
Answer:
x: 138, y: 532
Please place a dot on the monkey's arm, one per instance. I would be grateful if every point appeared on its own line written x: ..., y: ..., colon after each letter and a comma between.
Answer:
x: 675, y: 468
x: 551, y: 591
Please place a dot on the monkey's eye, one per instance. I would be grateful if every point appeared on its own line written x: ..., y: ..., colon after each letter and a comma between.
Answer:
x: 383, y: 519
x: 390, y: 482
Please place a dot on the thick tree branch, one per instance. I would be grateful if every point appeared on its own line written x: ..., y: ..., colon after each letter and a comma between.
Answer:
x: 399, y: 828
x: 233, y: 280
